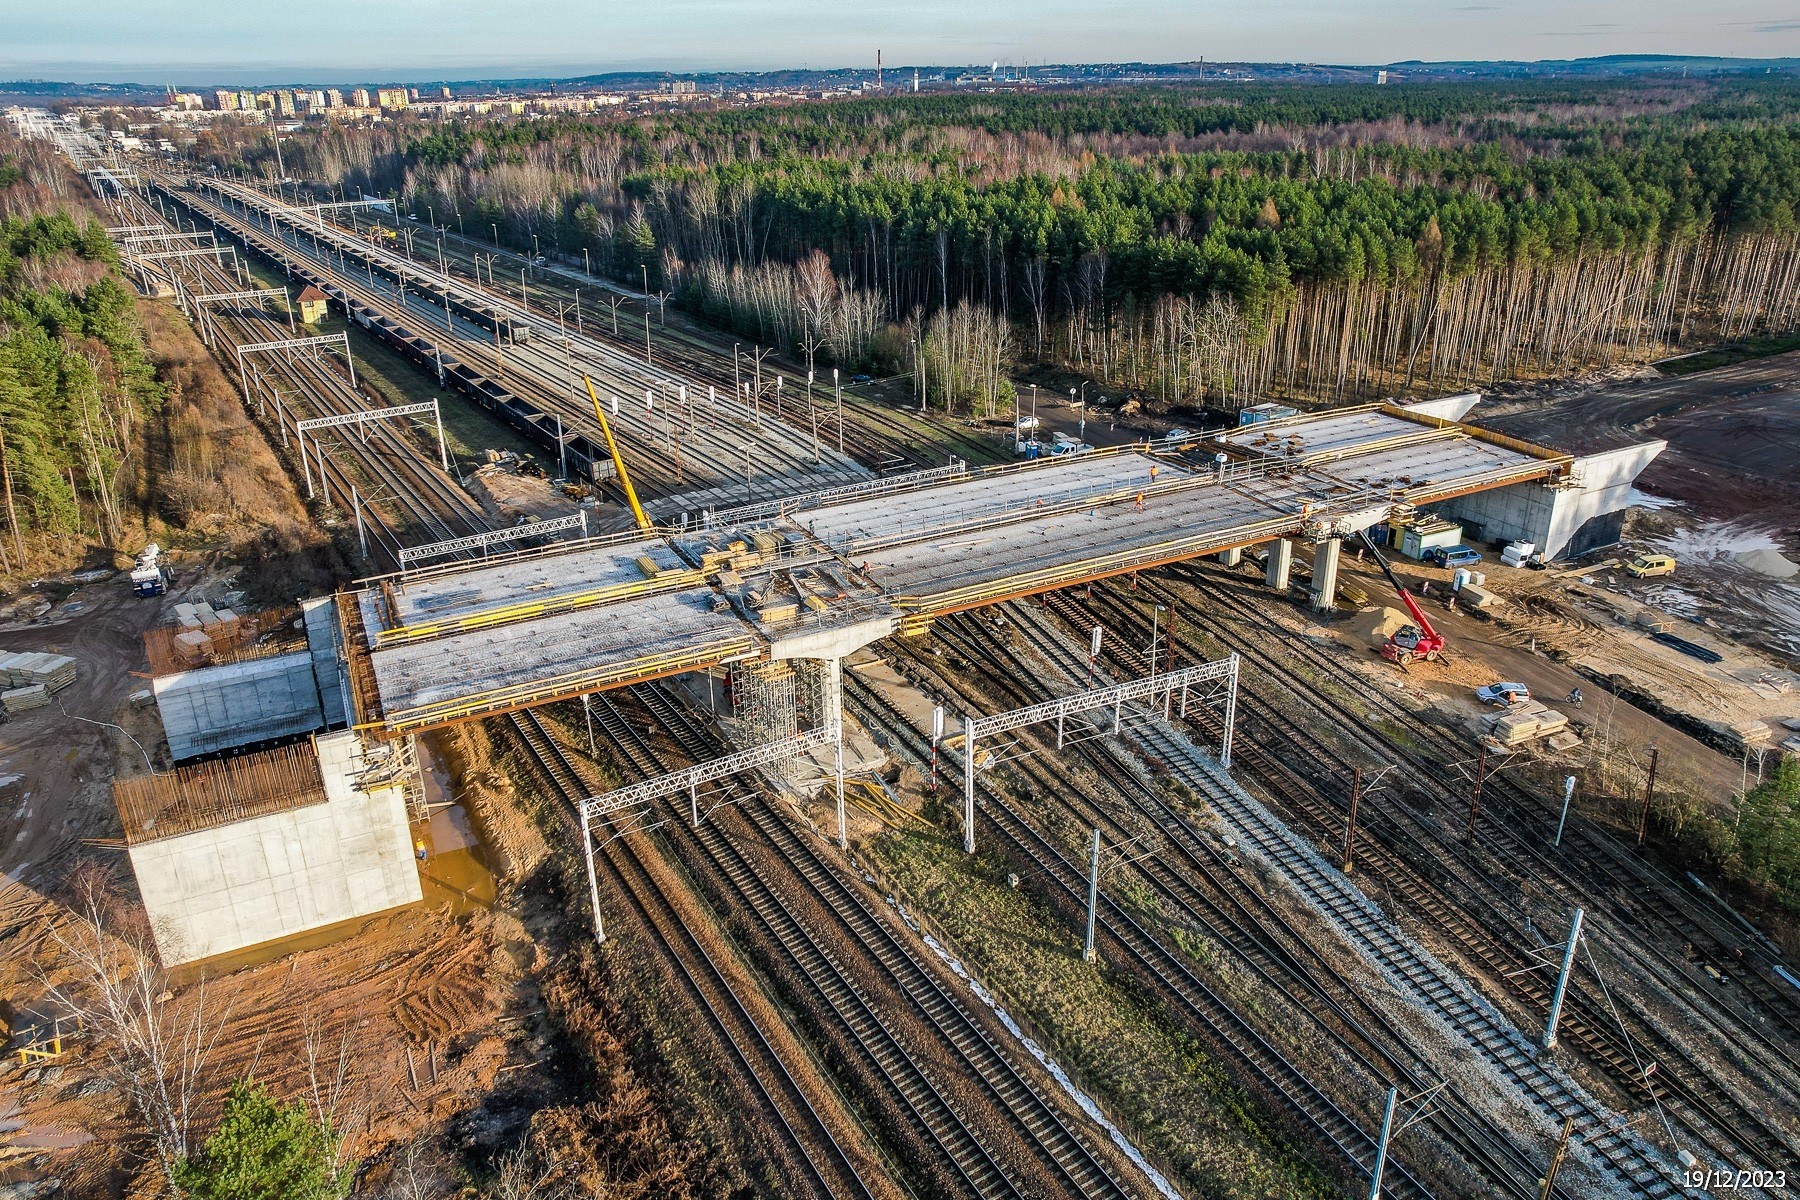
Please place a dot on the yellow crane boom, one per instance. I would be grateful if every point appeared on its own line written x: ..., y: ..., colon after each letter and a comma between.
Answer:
x: 612, y: 447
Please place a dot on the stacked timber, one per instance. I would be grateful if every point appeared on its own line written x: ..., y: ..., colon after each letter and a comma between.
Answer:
x: 1524, y: 723
x: 193, y: 647
x: 32, y: 667
x: 24, y: 699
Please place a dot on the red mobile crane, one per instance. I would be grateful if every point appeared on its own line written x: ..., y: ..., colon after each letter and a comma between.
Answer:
x: 1410, y: 642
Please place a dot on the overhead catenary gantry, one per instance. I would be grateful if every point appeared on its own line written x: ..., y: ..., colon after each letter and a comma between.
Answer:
x: 361, y: 420
x: 243, y: 296
x: 309, y: 345
x: 625, y: 809
x: 1152, y: 696
x: 409, y: 555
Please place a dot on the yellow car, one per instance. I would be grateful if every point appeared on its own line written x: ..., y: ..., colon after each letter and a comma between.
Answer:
x: 1646, y: 565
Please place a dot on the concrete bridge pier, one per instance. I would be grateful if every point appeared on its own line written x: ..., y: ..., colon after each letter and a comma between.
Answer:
x: 1231, y: 557
x: 1325, y: 573
x: 1281, y: 561
x: 823, y: 652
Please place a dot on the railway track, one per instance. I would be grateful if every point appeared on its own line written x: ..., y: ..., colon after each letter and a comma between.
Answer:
x: 1187, y: 996
x: 875, y: 433
x: 1366, y: 926
x: 672, y: 446
x: 1502, y: 846
x: 1396, y: 847
x: 393, y: 478
x: 829, y: 1170
x: 1192, y: 878
x: 980, y: 1167
x: 412, y: 499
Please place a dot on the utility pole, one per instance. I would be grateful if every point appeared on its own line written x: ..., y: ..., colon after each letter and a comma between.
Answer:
x: 1155, y: 628
x: 362, y: 532
x: 1087, y: 946
x: 1475, y: 791
x: 1649, y: 795
x: 1350, y: 825
x: 1381, y: 1147
x: 1390, y: 1130
x: 1568, y: 795
x: 840, y: 408
x: 1556, y: 1160
x: 1562, y: 982
x: 937, y: 735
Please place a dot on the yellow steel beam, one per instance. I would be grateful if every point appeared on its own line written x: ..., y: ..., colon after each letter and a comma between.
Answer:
x: 561, y: 687
x: 1010, y: 586
x: 631, y: 589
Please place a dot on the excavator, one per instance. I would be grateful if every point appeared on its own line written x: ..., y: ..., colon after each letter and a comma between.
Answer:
x: 637, y: 510
x: 1410, y: 642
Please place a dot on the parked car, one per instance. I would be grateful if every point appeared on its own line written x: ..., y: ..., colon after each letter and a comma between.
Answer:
x: 1179, y: 435
x: 1452, y: 556
x: 1644, y: 566
x: 1504, y: 694
x: 862, y: 379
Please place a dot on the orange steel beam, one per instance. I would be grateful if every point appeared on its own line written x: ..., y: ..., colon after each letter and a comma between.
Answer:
x: 527, y: 695
x: 933, y: 613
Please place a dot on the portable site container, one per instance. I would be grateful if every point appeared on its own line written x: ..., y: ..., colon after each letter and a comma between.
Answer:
x: 1257, y: 413
x: 1430, y: 535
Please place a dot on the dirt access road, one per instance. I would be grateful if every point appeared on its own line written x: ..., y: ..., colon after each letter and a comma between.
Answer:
x: 1479, y: 657
x: 66, y: 756
x: 1733, y: 432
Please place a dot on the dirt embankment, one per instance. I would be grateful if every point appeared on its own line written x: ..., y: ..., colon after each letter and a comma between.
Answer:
x: 215, y: 483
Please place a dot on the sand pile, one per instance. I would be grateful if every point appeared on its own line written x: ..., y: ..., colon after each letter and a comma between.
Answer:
x: 1376, y: 625
x: 1768, y: 561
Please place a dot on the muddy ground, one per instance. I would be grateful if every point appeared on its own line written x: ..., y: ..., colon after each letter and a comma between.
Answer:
x: 1723, y: 498
x: 434, y: 998
x: 1732, y: 434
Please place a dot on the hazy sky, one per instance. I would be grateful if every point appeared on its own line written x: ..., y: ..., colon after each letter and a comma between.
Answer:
x: 198, y: 41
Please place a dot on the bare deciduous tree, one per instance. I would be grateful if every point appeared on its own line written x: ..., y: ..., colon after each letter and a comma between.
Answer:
x: 154, y: 1047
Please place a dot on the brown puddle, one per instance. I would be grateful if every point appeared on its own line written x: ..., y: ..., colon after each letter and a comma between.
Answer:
x: 455, y: 871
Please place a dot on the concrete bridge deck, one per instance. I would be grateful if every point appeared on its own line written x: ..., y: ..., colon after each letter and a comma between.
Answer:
x: 464, y: 641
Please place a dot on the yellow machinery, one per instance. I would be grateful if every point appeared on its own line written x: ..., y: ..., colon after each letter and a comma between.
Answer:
x: 612, y: 447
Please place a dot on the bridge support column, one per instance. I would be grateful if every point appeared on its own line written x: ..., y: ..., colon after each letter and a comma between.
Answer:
x: 1325, y: 573
x: 1281, y: 561
x: 831, y: 690
x: 1231, y: 557
x: 831, y: 710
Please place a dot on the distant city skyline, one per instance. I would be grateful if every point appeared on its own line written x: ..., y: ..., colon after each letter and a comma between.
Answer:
x: 195, y: 42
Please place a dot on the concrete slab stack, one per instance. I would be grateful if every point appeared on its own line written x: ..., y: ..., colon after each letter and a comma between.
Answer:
x: 30, y: 668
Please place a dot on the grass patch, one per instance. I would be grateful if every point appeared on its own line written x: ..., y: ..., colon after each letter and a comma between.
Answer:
x: 1731, y: 352
x: 1154, y: 1079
